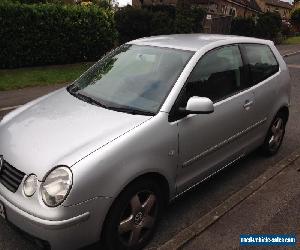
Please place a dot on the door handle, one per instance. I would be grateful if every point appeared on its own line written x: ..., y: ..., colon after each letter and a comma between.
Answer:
x: 248, y: 104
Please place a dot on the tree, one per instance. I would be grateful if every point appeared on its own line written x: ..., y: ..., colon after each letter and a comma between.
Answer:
x: 295, y: 19
x: 159, y: 18
x: 268, y: 25
x: 32, y: 1
x: 188, y: 19
x: 132, y: 23
x: 243, y: 26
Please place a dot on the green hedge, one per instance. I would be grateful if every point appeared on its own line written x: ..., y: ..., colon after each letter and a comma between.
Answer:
x: 189, y: 20
x: 45, y: 34
x: 132, y: 23
x: 295, y: 19
x: 243, y: 26
x: 267, y: 26
x: 42, y: 34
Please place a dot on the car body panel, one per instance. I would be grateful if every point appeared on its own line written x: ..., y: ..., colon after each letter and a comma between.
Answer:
x: 60, y: 130
x: 273, y: 93
x: 202, y: 151
x: 130, y: 156
x: 83, y: 220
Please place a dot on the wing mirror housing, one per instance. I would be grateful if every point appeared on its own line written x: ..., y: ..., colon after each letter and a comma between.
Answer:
x: 198, y: 105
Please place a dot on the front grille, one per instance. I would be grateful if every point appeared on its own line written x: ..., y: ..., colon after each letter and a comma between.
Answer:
x: 11, y: 177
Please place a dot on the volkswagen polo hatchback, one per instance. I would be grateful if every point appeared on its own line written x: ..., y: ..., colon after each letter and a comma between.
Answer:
x: 101, y: 158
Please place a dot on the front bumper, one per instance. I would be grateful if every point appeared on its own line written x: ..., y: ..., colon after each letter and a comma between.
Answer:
x: 81, y: 226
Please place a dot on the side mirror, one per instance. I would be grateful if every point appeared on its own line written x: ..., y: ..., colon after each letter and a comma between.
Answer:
x: 198, y: 105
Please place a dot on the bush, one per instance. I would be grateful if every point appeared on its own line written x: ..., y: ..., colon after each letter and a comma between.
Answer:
x: 189, y: 20
x: 132, y: 23
x: 268, y: 25
x: 170, y: 10
x: 197, y: 15
x: 161, y: 24
x: 183, y: 22
x: 243, y: 26
x: 295, y: 19
x: 42, y: 34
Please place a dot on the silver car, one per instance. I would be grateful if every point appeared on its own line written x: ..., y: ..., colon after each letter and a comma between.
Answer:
x: 101, y: 158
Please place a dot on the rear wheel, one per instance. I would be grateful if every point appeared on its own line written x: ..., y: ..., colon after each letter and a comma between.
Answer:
x: 133, y: 217
x: 275, y: 135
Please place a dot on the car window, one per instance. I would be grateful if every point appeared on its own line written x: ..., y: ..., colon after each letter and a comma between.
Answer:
x: 262, y: 62
x: 133, y: 77
x: 218, y: 74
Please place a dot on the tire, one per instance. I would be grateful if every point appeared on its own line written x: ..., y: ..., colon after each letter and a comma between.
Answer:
x: 275, y: 135
x: 133, y: 217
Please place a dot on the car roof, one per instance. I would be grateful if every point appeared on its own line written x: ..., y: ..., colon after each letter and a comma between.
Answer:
x: 194, y: 42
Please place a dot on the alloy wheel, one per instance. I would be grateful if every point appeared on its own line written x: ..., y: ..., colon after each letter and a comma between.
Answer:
x: 277, y: 132
x: 138, y: 218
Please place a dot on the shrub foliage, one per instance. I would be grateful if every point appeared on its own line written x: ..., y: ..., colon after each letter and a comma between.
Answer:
x: 41, y: 34
x: 295, y: 19
x: 267, y: 26
x: 37, y: 33
x: 132, y: 23
x: 243, y: 26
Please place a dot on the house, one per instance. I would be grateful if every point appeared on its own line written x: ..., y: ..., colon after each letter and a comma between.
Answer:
x: 139, y: 3
x: 243, y: 8
x: 283, y: 8
x: 233, y: 8
x: 296, y: 5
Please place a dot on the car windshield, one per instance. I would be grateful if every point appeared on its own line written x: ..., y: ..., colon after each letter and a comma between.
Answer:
x: 133, y: 79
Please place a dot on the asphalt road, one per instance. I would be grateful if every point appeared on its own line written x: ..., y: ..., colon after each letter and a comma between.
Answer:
x: 199, y: 201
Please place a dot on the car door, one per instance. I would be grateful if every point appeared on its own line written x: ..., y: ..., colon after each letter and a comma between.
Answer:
x: 208, y: 141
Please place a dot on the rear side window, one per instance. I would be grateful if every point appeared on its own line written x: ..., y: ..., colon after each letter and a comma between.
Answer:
x: 261, y: 60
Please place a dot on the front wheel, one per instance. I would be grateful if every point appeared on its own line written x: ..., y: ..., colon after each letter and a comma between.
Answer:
x: 275, y: 135
x: 133, y: 217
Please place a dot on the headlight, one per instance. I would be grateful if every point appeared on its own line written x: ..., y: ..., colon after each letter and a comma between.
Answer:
x: 30, y: 185
x: 56, y: 186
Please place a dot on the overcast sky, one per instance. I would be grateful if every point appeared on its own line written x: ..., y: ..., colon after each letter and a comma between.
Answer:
x: 125, y: 2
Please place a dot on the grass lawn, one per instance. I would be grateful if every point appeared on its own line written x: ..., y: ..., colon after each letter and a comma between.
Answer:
x: 292, y: 40
x: 40, y: 76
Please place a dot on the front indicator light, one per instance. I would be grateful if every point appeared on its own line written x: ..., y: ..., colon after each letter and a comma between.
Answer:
x: 30, y: 185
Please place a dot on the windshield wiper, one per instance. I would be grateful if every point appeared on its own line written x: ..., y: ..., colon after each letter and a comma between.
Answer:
x: 86, y: 98
x: 74, y: 91
x: 131, y: 110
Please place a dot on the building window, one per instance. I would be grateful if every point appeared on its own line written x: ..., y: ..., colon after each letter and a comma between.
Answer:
x: 223, y: 9
x: 232, y: 12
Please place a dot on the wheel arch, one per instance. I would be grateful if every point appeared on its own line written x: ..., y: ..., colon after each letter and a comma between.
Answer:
x: 156, y: 177
x: 285, y: 111
x: 153, y: 176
